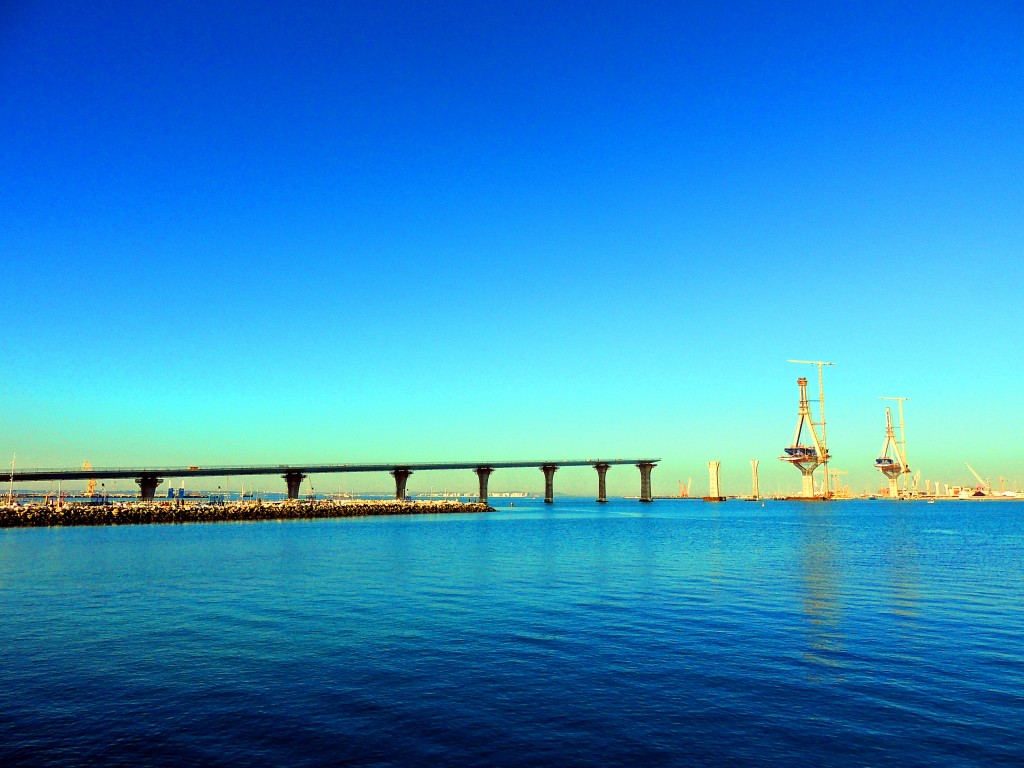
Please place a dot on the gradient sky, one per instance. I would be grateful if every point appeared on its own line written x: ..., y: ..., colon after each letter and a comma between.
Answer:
x: 382, y: 231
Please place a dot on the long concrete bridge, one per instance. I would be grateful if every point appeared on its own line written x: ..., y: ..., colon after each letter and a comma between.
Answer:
x: 149, y: 478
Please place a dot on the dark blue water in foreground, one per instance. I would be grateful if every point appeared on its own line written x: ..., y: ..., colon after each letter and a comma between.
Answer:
x: 677, y: 633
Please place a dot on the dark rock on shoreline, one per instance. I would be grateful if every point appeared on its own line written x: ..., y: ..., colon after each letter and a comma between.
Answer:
x: 138, y: 513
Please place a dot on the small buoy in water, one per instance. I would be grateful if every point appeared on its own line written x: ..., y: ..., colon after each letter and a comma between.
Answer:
x: 511, y: 503
x: 762, y: 503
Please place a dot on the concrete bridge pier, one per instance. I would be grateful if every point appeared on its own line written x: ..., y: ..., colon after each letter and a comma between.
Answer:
x: 401, y: 478
x: 483, y: 473
x: 147, y: 486
x: 549, y: 482
x: 645, y: 480
x: 602, y: 491
x: 294, y: 480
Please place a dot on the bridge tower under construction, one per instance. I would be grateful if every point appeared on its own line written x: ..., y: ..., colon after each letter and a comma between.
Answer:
x: 806, y: 456
x: 715, y: 488
x: 895, y: 465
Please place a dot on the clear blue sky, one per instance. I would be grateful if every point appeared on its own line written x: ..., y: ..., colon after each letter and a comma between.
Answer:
x: 384, y: 231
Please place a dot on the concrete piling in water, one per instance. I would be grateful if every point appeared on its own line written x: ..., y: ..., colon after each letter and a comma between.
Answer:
x: 294, y: 481
x: 714, y: 486
x: 645, y: 480
x: 147, y: 486
x: 602, y: 490
x: 549, y: 482
x: 401, y: 478
x: 483, y: 473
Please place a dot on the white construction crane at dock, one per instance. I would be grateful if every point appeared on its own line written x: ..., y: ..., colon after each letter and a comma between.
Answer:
x: 985, y: 485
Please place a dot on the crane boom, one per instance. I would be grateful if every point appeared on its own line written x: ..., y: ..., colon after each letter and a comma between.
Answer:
x: 980, y: 481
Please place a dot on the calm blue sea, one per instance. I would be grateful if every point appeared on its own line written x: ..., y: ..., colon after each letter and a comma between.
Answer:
x: 675, y: 633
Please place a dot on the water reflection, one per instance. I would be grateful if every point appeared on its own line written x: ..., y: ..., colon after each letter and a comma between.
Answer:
x: 902, y: 572
x: 715, y: 566
x: 820, y: 579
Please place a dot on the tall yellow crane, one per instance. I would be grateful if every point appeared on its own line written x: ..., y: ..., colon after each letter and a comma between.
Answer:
x: 839, y: 491
x: 91, y: 490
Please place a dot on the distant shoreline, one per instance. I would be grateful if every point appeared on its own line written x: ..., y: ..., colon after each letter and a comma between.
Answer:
x: 169, y: 513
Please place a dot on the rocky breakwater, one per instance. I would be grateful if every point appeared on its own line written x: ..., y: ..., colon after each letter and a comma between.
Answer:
x: 139, y: 513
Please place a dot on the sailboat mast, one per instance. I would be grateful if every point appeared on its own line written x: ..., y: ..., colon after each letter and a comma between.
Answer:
x: 10, y: 488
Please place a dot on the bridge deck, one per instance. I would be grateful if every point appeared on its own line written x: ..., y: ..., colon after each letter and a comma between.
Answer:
x: 99, y: 473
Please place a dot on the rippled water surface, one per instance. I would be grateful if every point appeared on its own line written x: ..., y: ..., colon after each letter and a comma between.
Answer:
x: 675, y: 633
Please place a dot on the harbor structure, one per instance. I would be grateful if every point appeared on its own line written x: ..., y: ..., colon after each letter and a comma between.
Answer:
x: 895, y: 465
x: 808, y: 456
x: 755, y: 491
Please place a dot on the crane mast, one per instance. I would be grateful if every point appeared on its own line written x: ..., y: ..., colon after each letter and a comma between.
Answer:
x: 795, y: 454
x: 902, y: 443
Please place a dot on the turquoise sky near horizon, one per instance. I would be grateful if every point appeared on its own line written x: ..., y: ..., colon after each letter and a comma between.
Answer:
x: 382, y: 231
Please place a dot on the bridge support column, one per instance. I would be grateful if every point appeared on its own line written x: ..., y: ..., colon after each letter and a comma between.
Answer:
x: 602, y: 491
x: 147, y: 486
x: 807, y: 484
x: 645, y: 480
x: 549, y: 482
x: 483, y: 473
x: 401, y: 478
x: 294, y: 480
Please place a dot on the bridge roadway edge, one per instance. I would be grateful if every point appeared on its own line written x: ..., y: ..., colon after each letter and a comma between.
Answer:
x: 102, y: 473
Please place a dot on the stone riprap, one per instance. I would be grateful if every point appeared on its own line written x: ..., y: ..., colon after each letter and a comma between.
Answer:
x: 139, y: 513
